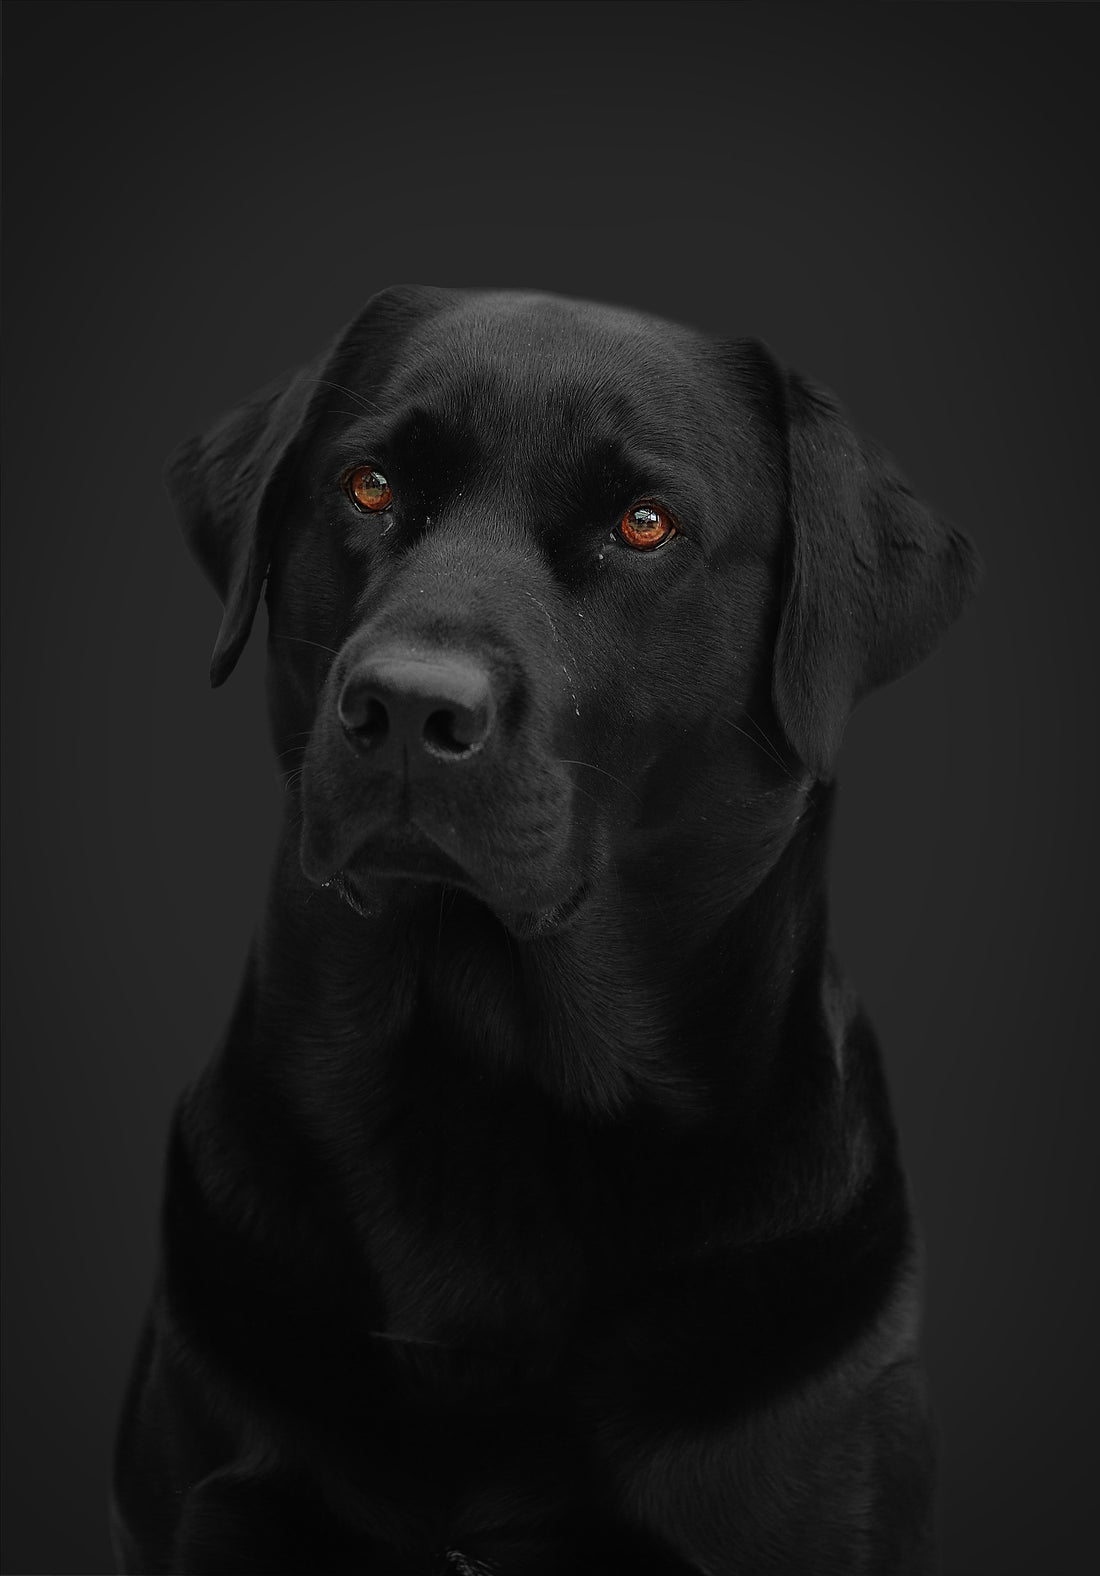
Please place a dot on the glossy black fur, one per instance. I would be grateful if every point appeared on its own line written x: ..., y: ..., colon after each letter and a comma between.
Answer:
x: 541, y: 1210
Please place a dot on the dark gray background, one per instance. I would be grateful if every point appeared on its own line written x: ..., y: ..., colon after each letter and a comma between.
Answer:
x: 897, y: 198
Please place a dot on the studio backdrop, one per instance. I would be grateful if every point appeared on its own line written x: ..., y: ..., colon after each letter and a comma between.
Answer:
x: 896, y: 198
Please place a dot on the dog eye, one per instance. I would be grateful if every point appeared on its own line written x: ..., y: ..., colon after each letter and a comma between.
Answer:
x: 368, y: 489
x: 647, y: 525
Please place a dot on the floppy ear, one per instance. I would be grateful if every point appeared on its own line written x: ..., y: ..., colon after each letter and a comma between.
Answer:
x: 873, y: 579
x: 229, y: 484
x: 227, y: 487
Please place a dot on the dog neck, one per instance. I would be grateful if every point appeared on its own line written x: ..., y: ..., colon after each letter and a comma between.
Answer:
x: 351, y: 1034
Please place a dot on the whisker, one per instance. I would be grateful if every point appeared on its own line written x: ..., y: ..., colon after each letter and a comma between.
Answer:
x: 359, y: 399
x: 405, y: 1340
x: 594, y: 768
x: 301, y: 641
x: 766, y: 748
x: 295, y: 749
x: 577, y: 787
x: 748, y: 716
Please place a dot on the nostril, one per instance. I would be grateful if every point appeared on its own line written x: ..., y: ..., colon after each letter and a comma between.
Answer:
x: 363, y: 715
x: 453, y: 732
x: 411, y: 711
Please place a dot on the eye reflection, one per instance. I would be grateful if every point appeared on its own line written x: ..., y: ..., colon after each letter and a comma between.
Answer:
x: 368, y: 489
x: 646, y: 525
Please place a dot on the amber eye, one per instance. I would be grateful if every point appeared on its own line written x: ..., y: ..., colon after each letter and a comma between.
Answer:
x: 646, y: 525
x: 368, y: 489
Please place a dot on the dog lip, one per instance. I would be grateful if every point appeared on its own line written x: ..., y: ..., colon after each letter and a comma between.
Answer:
x: 410, y: 853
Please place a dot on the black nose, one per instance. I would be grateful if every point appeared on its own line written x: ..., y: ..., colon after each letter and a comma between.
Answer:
x: 436, y: 707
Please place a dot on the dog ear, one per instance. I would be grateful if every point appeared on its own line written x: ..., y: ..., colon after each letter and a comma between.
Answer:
x: 873, y: 577
x: 229, y: 484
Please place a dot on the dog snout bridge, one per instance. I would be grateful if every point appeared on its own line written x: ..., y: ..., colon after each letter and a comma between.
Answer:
x: 432, y: 709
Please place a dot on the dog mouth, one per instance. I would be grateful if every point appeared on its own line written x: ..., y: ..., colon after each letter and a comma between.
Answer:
x: 384, y: 858
x: 410, y: 854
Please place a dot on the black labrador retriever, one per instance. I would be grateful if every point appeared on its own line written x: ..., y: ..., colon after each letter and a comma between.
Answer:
x: 542, y: 1210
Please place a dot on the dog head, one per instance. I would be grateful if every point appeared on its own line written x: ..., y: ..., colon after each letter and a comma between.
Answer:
x: 557, y: 593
